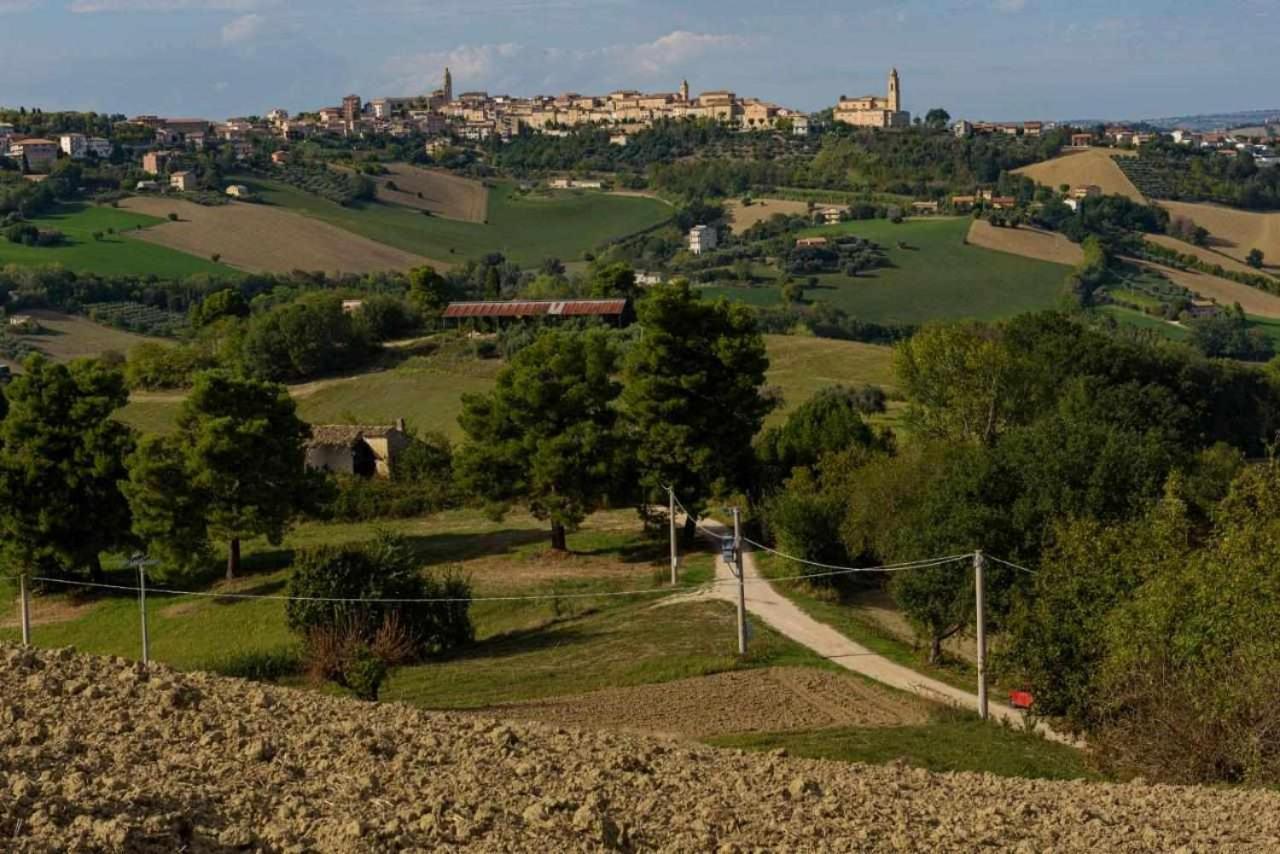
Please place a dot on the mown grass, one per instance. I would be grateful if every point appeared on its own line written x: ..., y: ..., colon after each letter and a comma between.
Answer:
x: 951, y: 741
x: 114, y: 254
x: 524, y: 228
x: 427, y: 391
x: 936, y: 277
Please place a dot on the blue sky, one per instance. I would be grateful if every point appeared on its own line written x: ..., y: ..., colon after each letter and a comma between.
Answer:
x: 994, y: 59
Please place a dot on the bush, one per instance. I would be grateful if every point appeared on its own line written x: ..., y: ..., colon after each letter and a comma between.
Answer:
x: 358, y: 499
x: 260, y: 666
x: 382, y: 569
x: 359, y: 658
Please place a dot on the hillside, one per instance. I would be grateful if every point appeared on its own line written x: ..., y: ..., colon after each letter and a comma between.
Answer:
x: 527, y: 228
x: 932, y: 275
x: 1091, y: 166
x: 66, y: 336
x: 264, y: 239
x: 1234, y: 232
x: 205, y: 763
x: 442, y: 193
x: 427, y: 392
x: 105, y: 241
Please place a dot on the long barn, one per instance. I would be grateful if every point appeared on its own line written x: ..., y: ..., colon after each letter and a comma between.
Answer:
x: 617, y: 311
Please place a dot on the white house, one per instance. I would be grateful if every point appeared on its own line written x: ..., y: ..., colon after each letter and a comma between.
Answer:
x: 74, y: 145
x: 238, y: 191
x: 702, y: 238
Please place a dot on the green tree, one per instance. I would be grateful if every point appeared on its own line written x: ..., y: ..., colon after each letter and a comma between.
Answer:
x: 168, y: 512
x: 937, y: 118
x: 429, y: 292
x: 828, y: 422
x: 1254, y: 259
x: 228, y: 302
x: 242, y: 446
x: 62, y: 457
x: 614, y: 281
x: 546, y: 435
x: 693, y: 396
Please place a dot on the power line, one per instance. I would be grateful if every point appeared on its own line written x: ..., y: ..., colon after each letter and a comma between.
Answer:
x: 892, y: 567
x: 1013, y: 565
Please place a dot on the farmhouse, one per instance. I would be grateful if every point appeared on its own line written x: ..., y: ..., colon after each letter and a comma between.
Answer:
x: 238, y: 191
x: 183, y: 181
x: 924, y: 207
x: 617, y: 310
x: 360, y: 450
x: 831, y: 216
x: 701, y: 239
x: 809, y: 242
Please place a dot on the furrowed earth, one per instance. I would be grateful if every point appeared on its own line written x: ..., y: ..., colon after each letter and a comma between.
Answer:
x: 102, y: 754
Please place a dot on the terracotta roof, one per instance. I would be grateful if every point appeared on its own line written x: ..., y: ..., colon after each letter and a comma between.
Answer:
x: 538, y: 308
x: 345, y: 435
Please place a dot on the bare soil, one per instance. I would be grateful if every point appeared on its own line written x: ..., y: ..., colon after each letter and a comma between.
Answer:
x: 266, y: 239
x: 1092, y: 166
x: 772, y: 700
x: 1210, y: 255
x: 1026, y: 241
x: 103, y: 755
x: 442, y: 193
x: 743, y: 218
x: 1234, y: 232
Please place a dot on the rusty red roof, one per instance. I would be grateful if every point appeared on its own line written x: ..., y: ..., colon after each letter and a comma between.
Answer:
x: 538, y: 308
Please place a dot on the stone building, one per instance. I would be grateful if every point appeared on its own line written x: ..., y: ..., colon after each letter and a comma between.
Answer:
x: 873, y: 111
x: 361, y: 450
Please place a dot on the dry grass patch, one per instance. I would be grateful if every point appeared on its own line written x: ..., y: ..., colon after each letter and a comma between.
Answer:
x: 266, y: 239
x: 1028, y: 242
x: 775, y: 699
x: 441, y: 193
x: 1234, y: 232
x: 66, y: 337
x: 1093, y: 166
x: 1253, y: 301
x: 743, y: 217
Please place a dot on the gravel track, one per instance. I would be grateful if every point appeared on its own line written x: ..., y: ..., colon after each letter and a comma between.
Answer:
x: 100, y: 754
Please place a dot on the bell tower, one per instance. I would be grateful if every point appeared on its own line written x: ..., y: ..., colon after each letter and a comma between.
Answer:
x: 895, y: 91
x: 684, y: 91
x: 448, y: 85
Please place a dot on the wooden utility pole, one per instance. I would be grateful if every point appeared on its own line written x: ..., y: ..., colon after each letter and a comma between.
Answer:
x: 979, y: 563
x: 742, y: 588
x: 24, y: 606
x: 671, y: 521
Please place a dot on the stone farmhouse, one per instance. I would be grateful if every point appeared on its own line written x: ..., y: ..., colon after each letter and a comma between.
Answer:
x: 360, y: 450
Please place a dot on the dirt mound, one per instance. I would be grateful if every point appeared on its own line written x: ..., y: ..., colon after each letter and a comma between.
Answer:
x: 101, y: 754
x: 441, y: 193
x: 1093, y: 166
x: 784, y: 698
x: 1025, y: 241
x: 265, y: 239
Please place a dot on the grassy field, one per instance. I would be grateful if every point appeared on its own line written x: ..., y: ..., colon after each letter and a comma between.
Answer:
x: 953, y: 741
x: 114, y: 254
x: 526, y: 229
x: 936, y: 277
x: 66, y: 336
x: 427, y: 392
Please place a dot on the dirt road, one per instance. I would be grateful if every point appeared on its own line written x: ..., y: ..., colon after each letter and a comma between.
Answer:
x: 785, y: 617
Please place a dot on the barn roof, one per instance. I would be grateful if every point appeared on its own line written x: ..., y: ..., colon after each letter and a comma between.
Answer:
x: 346, y: 435
x: 538, y: 308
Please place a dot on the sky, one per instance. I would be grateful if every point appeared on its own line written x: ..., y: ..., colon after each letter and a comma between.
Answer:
x: 979, y: 59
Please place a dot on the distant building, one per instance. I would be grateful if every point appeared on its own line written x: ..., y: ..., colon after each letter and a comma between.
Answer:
x: 183, y: 181
x: 352, y: 109
x: 147, y: 186
x: 38, y: 154
x: 238, y: 191
x: 279, y: 158
x: 360, y: 450
x: 873, y: 111
x: 351, y: 306
x: 1085, y: 191
x: 648, y: 279
x: 617, y: 310
x: 810, y: 242
x: 702, y: 238
x: 74, y: 145
x: 963, y: 203
x: 155, y: 162
x: 100, y: 147
x: 924, y: 207
x: 831, y: 216
x: 1081, y: 140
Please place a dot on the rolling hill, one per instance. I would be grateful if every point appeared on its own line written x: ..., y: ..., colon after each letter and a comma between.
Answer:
x: 1091, y: 166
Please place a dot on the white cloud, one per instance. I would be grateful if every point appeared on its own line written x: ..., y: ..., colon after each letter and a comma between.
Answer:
x: 515, y: 66
x: 95, y: 6
x: 243, y: 28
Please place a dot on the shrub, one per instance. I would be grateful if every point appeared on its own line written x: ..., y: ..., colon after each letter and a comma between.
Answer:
x: 382, y: 569
x: 260, y: 665
x: 359, y: 658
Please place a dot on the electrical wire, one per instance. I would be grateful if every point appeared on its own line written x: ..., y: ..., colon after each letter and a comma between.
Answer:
x: 891, y: 567
x: 1012, y: 565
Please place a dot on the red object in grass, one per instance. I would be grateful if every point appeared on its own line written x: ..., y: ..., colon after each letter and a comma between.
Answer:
x: 1021, y: 699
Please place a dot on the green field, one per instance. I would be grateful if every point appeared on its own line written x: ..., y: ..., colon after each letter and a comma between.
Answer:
x: 526, y: 229
x: 114, y: 254
x: 427, y: 391
x: 937, y: 277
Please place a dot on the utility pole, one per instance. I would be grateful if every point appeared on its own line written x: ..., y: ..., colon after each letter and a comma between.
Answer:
x: 979, y: 563
x: 671, y: 519
x: 142, y: 605
x: 742, y: 587
x: 24, y: 605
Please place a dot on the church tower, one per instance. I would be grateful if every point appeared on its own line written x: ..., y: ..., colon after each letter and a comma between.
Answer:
x: 895, y: 92
x: 684, y: 91
x: 448, y: 86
